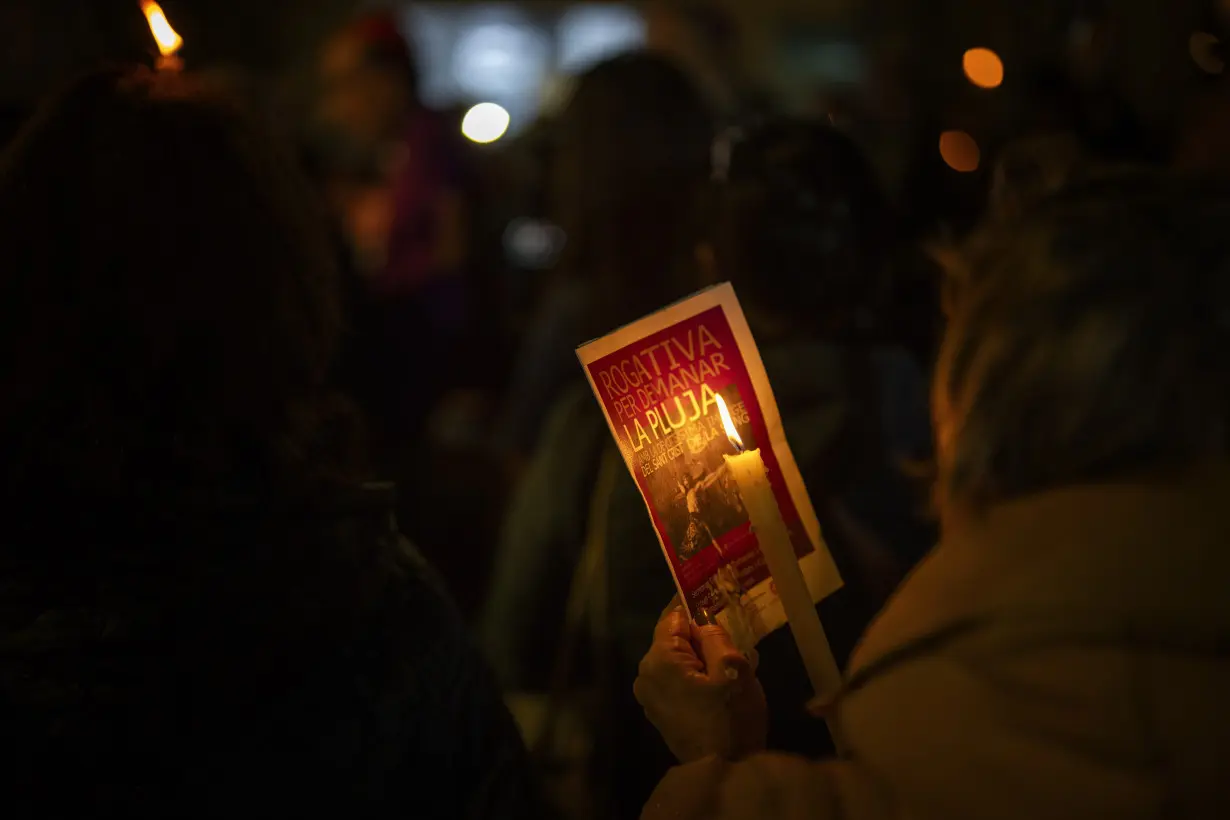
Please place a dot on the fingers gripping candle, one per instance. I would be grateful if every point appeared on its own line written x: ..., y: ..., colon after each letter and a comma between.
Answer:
x: 773, y: 537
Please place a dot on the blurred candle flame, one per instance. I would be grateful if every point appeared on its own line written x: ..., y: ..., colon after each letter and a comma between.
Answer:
x: 983, y: 67
x: 960, y: 151
x: 728, y: 423
x: 168, y: 41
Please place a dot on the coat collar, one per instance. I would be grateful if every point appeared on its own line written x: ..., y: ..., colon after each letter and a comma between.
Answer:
x: 1149, y: 554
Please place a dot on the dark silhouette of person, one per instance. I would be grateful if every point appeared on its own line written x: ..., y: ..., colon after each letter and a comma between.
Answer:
x: 630, y: 163
x: 204, y: 608
x: 1050, y: 657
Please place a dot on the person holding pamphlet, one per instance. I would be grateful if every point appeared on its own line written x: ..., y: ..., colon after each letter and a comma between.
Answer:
x: 849, y: 425
x: 1061, y: 653
x: 797, y: 223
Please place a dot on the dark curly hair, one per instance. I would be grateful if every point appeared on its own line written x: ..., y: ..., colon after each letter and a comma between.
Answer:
x: 168, y: 305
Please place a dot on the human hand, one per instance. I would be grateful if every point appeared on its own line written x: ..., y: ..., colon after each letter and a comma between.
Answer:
x: 700, y: 692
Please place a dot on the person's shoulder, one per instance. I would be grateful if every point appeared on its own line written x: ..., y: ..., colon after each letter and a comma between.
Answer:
x: 417, y: 603
x: 403, y: 585
x: 1024, y: 733
x: 455, y: 734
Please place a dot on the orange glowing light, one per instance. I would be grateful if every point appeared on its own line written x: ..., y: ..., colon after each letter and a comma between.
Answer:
x: 960, y: 151
x: 983, y: 67
x: 168, y: 41
x: 728, y: 423
x: 1203, y: 48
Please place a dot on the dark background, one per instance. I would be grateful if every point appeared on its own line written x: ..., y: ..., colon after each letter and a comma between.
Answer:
x: 910, y: 50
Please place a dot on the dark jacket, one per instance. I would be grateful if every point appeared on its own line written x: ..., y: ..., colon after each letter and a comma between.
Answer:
x: 242, y: 659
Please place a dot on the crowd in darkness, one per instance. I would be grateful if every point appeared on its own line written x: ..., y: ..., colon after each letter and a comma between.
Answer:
x: 309, y: 508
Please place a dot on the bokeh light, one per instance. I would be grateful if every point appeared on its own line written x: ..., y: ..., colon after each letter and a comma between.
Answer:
x: 485, y: 123
x: 533, y: 244
x: 1203, y: 48
x: 960, y: 151
x: 501, y: 59
x: 589, y: 34
x: 983, y: 67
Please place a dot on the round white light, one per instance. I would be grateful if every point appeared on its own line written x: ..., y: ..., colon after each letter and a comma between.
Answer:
x: 485, y: 122
x: 533, y: 244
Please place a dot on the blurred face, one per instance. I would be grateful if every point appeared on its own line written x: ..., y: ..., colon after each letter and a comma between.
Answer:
x: 363, y: 101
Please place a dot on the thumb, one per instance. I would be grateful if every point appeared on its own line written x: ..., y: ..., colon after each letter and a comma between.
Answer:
x: 822, y: 706
x: 723, y: 661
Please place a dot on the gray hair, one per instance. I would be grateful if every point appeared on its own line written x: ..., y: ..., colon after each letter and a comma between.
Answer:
x: 1091, y: 341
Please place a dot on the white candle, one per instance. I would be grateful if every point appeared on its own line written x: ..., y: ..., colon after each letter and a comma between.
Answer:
x: 773, y: 537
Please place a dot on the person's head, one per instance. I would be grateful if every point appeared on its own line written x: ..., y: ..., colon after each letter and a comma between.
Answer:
x: 1090, y: 344
x: 168, y: 307
x: 800, y: 226
x: 632, y: 159
x: 368, y: 79
x: 705, y: 38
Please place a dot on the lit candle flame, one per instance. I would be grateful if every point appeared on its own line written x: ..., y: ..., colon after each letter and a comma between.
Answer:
x: 168, y: 41
x: 728, y: 423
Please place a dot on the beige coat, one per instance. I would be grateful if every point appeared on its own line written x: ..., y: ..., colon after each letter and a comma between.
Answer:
x: 1067, y: 656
